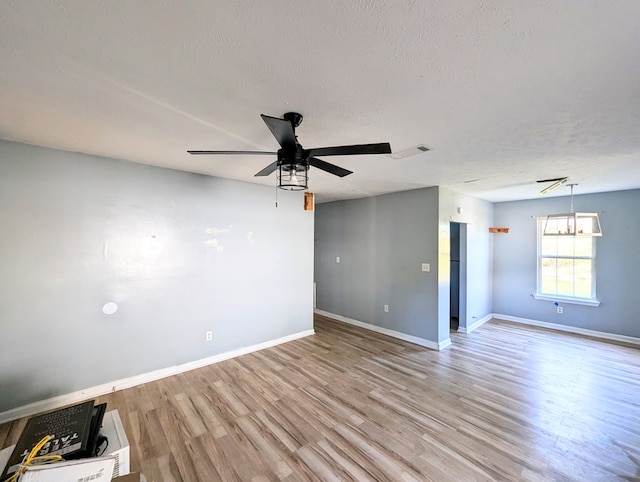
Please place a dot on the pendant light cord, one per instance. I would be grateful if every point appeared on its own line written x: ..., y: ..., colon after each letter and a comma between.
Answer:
x: 571, y: 203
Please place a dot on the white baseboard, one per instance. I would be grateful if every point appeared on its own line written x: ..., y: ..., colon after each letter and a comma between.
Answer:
x: 385, y: 331
x: 570, y: 329
x: 92, y: 392
x: 475, y: 324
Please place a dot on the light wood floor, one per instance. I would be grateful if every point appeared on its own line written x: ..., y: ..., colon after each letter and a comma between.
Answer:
x: 506, y: 402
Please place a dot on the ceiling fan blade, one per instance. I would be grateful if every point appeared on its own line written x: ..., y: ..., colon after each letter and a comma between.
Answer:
x: 267, y: 170
x: 281, y: 129
x: 330, y: 168
x: 380, y: 148
x: 226, y: 153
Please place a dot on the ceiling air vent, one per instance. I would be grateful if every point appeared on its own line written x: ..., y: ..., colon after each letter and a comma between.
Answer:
x: 412, y: 151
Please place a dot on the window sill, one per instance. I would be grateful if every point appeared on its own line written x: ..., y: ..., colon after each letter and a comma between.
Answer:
x: 571, y: 301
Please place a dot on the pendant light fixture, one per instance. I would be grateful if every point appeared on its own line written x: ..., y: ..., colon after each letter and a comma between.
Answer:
x: 572, y: 223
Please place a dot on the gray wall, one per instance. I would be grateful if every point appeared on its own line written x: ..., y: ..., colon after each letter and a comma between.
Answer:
x: 180, y: 253
x: 382, y: 242
x: 617, y: 263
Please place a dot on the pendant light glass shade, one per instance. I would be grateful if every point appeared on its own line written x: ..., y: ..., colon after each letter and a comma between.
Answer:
x: 572, y: 223
x: 293, y: 177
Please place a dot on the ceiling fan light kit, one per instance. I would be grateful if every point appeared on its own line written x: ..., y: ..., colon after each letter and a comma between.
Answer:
x: 293, y: 161
x: 572, y: 223
x: 293, y: 177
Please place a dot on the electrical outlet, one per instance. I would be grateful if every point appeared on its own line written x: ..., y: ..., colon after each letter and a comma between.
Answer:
x: 559, y: 309
x: 209, y: 335
x: 337, y: 259
x: 426, y: 267
x: 386, y: 308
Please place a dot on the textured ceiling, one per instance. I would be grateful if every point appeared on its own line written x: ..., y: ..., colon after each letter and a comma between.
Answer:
x: 504, y: 93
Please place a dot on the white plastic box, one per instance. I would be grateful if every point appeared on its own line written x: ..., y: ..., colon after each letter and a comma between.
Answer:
x: 118, y: 444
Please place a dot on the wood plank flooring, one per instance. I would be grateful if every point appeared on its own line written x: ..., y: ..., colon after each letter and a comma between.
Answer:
x: 506, y: 402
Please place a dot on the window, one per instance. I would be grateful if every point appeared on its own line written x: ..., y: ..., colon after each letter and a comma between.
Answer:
x: 566, y: 267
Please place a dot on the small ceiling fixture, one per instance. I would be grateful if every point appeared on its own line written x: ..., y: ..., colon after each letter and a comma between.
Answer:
x: 572, y: 223
x: 558, y: 182
x: 412, y: 151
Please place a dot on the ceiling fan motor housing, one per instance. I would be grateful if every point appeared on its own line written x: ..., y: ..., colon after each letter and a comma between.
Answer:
x: 289, y: 157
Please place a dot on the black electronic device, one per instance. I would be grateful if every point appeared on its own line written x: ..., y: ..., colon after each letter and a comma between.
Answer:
x: 70, y: 428
x: 94, y: 429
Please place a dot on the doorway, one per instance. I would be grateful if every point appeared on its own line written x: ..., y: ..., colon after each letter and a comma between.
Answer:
x: 457, y: 283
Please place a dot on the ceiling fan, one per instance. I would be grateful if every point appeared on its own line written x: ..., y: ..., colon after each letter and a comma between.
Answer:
x: 293, y: 160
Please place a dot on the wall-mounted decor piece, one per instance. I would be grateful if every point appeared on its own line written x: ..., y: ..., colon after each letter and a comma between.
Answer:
x: 308, y: 201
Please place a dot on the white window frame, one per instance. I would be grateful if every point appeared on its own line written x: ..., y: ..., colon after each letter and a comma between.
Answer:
x: 591, y: 301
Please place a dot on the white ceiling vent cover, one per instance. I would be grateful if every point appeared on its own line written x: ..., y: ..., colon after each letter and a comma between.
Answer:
x: 412, y: 151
